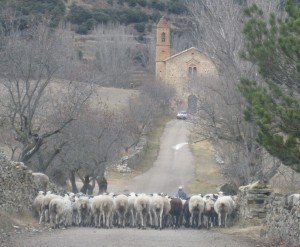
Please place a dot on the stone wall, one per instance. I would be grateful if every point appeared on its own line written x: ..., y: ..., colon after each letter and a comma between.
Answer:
x: 259, y: 205
x: 251, y: 201
x: 282, y: 222
x: 129, y: 162
x: 138, y: 153
x: 17, y: 187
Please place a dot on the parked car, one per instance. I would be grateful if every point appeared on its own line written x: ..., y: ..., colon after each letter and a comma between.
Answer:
x: 182, y: 115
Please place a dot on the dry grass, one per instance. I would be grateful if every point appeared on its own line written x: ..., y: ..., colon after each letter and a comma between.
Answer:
x: 207, y: 172
x: 114, y: 98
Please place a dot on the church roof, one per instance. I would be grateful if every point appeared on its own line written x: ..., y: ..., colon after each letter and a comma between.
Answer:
x: 163, y: 22
x: 178, y: 54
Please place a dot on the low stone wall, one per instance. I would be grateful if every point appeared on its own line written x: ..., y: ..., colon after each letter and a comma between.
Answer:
x: 259, y: 206
x: 282, y: 222
x: 17, y: 186
x: 137, y: 155
x: 17, y: 189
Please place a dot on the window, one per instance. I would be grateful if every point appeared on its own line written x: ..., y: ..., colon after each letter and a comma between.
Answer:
x: 163, y: 37
x: 192, y: 70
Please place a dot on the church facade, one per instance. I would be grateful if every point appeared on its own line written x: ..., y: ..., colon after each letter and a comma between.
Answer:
x: 179, y: 69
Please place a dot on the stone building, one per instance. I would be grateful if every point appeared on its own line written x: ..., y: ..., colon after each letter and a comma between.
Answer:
x: 179, y: 69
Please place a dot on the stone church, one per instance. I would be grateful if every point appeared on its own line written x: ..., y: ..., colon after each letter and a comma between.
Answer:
x: 179, y: 69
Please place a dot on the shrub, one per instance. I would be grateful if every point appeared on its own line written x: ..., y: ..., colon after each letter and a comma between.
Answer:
x: 101, y: 16
x: 27, y: 9
x: 155, y: 16
x: 156, y: 4
x: 131, y: 3
x: 140, y: 27
x: 142, y: 3
x: 128, y: 16
x: 149, y: 28
x: 82, y: 29
x: 176, y: 7
x: 110, y: 2
x: 90, y: 23
x: 78, y: 14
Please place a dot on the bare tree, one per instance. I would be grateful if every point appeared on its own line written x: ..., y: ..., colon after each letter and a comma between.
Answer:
x: 35, y: 105
x: 160, y: 92
x: 95, y: 141
x: 114, y: 50
x: 218, y: 33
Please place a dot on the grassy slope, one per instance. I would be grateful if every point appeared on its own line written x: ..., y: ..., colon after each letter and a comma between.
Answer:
x: 207, y: 173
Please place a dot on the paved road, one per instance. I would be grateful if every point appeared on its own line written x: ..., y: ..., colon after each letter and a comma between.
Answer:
x: 88, y: 237
x: 173, y: 167
x: 174, y: 164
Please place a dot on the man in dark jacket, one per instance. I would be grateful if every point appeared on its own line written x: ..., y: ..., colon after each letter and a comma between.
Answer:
x: 180, y: 193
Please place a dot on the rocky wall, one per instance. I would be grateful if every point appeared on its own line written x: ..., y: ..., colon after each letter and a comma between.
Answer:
x: 17, y: 189
x: 17, y: 186
x: 259, y: 205
x: 251, y: 200
x: 129, y: 162
x: 282, y: 221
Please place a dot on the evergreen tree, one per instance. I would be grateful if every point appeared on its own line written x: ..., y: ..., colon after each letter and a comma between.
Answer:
x: 274, y: 103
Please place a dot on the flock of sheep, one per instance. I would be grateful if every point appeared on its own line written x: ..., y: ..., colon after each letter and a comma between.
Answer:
x: 134, y: 210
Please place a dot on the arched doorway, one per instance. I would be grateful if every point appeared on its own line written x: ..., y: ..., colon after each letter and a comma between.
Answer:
x: 192, y: 103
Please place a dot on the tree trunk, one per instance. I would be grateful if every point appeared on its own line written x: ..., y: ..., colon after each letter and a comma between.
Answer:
x: 87, y: 188
x: 73, y: 182
x: 91, y: 187
x: 102, y: 184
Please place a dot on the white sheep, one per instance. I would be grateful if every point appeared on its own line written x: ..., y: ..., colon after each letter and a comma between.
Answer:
x: 102, y: 209
x: 142, y: 207
x: 83, y: 210
x: 107, y: 206
x: 156, y: 208
x: 75, y: 217
x: 224, y: 206
x: 166, y: 210
x: 131, y: 210
x: 90, y: 218
x: 196, y: 208
x: 121, y: 208
x: 60, y: 210
x: 41, y: 180
x: 210, y: 214
x: 37, y: 203
x: 96, y: 210
x: 45, y: 206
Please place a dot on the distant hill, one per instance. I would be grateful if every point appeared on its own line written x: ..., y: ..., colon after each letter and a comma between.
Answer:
x: 84, y: 15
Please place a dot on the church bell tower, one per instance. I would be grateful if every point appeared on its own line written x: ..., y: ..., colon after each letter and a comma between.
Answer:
x: 163, y: 46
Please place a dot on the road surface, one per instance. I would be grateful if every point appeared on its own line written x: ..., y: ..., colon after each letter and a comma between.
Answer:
x: 174, y: 165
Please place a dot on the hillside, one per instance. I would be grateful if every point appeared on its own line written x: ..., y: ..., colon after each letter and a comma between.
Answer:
x: 84, y: 15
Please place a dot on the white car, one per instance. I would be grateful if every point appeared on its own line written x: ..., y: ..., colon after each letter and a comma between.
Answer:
x: 182, y: 115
